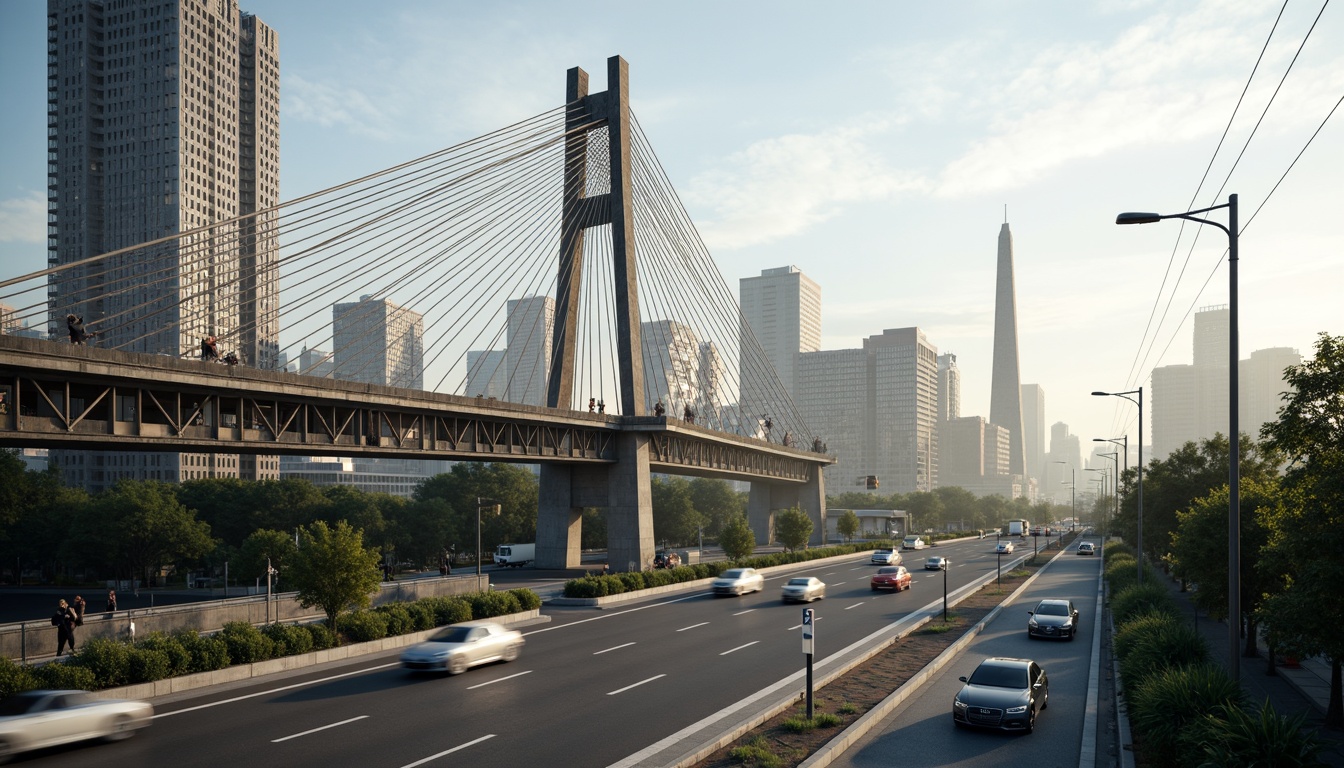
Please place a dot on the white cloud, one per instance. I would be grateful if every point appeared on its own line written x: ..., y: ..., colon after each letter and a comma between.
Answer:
x: 24, y: 219
x: 781, y: 186
x: 331, y: 105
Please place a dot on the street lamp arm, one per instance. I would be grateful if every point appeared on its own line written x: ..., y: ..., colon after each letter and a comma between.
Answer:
x: 1144, y: 217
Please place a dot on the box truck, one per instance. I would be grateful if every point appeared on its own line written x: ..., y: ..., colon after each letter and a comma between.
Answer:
x: 515, y: 554
x: 1018, y: 527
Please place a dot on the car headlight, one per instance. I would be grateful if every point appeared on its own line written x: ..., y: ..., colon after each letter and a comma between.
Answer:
x: 1016, y: 710
x: 958, y: 704
x: 1032, y: 623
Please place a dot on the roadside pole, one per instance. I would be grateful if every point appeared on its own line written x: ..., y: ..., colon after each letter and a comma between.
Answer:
x: 944, y: 590
x: 807, y: 651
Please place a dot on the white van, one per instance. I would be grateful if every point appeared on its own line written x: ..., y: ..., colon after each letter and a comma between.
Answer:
x: 912, y: 542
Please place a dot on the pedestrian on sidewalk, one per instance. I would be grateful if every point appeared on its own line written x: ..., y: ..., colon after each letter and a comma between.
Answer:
x: 64, y: 622
x: 111, y: 600
x: 78, y: 606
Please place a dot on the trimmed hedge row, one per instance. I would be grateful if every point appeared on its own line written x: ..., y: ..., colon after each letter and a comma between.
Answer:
x: 596, y: 585
x: 1187, y: 711
x: 106, y: 663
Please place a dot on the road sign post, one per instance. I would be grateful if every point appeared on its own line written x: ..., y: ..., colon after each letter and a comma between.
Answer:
x: 944, y: 591
x: 807, y: 651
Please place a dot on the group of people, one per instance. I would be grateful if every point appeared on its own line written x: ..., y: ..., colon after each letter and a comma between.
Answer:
x: 209, y: 345
x: 596, y: 406
x: 70, y: 615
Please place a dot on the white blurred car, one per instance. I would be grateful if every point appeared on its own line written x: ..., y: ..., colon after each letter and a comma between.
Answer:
x: 737, y: 581
x: 458, y: 647
x: 37, y: 719
x: 1004, y: 547
x: 886, y: 557
x: 804, y: 589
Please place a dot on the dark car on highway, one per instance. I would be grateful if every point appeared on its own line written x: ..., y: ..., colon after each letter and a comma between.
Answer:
x: 1053, y: 618
x: 1002, y: 693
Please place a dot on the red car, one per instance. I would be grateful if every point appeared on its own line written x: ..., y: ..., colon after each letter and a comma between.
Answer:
x: 893, y: 577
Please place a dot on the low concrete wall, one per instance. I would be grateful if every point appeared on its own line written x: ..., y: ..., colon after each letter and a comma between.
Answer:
x: 287, y: 663
x: 30, y: 640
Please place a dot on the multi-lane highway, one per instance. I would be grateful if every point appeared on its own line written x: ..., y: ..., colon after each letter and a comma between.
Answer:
x: 592, y: 687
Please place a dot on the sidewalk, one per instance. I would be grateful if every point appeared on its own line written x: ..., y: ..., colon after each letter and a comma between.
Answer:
x: 1291, y: 690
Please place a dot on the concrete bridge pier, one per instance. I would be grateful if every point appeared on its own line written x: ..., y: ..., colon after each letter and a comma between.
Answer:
x: 768, y: 497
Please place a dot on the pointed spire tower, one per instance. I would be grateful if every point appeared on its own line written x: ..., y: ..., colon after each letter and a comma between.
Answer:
x: 1005, y: 393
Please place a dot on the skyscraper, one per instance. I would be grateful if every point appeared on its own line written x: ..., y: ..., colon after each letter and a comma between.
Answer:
x: 783, y: 309
x: 164, y: 118
x: 1005, y: 394
x: 531, y: 322
x: 1033, y: 428
x: 378, y: 342
x: 486, y: 374
x: 1174, y: 405
x: 949, y: 388
x: 671, y: 355
x: 1211, y: 343
x: 1262, y: 386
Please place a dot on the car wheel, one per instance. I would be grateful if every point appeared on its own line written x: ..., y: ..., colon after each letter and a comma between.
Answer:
x: 511, y: 652
x: 874, y: 588
x: 121, y: 729
x: 457, y: 665
x: 6, y: 751
x: 1045, y: 702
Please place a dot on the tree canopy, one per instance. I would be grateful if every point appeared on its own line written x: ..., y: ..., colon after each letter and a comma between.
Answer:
x: 737, y: 539
x: 793, y: 528
x: 333, y: 570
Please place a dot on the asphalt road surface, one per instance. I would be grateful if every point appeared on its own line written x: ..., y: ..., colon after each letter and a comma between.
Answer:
x: 591, y: 688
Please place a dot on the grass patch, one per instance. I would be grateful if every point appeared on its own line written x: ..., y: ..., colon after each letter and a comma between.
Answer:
x: 848, y: 709
x: 1020, y: 573
x: 756, y: 754
x: 802, y: 724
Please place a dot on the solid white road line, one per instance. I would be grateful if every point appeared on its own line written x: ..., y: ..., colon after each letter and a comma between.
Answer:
x: 315, y: 730
x: 449, y: 751
x: 636, y: 685
x: 693, y: 626
x: 740, y: 647
x: 614, y: 648
x: 275, y: 690
x: 739, y: 613
x: 497, y: 680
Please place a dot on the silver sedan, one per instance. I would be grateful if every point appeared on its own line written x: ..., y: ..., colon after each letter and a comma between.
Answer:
x: 37, y: 719
x: 804, y: 589
x: 458, y: 647
x: 737, y: 581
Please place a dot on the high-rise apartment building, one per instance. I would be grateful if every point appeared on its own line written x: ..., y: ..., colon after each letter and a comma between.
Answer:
x: 1033, y: 428
x: 164, y: 118
x: 1211, y: 344
x: 377, y: 342
x: 671, y: 354
x: 1063, y: 463
x: 1262, y: 386
x: 973, y: 454
x: 949, y: 387
x: 531, y: 322
x: 1174, y: 405
x: 782, y: 308
x: 315, y: 362
x: 1005, y: 394
x: 486, y: 375
x: 833, y: 395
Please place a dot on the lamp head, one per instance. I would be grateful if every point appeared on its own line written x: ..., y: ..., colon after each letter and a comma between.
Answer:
x: 1137, y: 217
x: 1101, y: 394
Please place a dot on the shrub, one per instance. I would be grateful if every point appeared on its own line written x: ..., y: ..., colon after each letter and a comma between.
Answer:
x: 288, y: 639
x: 757, y: 753
x: 633, y: 580
x: 61, y: 675
x: 245, y: 643
x: 15, y: 678
x: 179, y: 660
x: 527, y: 599
x: 422, y: 616
x: 1165, y: 647
x: 321, y: 635
x: 450, y: 610
x: 109, y: 660
x: 362, y: 626
x: 484, y: 605
x: 1141, y: 599
x: 207, y: 653
x: 399, y: 620
x: 147, y: 665
x: 1231, y: 737
x: 658, y: 579
x: 1167, y: 704
x: 1139, y: 627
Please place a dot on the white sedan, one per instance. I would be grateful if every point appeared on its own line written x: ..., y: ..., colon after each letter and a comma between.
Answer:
x: 804, y: 589
x: 37, y: 719
x: 1004, y: 547
x: 737, y: 581
x: 457, y: 647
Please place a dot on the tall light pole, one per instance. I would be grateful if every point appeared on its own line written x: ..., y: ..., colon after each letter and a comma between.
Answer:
x: 1233, y: 427
x: 1124, y: 466
x: 1073, y: 475
x: 1139, y: 525
x: 1116, y: 487
x: 482, y: 503
x: 1104, y: 477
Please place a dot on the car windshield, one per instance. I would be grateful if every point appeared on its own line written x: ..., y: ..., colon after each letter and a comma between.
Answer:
x: 456, y: 634
x: 881, y: 552
x: 1000, y: 677
x: 888, y: 570
x: 799, y: 582
x: 735, y: 573
x: 1052, y: 609
x: 20, y: 704
x: 935, y: 560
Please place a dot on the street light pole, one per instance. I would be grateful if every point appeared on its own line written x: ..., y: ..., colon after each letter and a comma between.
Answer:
x: 1233, y: 425
x: 1073, y: 486
x: 1124, y: 467
x: 1139, y: 523
x: 1115, y: 489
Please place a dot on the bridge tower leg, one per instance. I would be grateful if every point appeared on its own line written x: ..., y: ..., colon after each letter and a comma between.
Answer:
x: 767, y: 498
x: 628, y: 500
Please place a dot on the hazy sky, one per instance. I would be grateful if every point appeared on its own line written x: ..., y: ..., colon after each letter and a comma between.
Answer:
x: 873, y: 144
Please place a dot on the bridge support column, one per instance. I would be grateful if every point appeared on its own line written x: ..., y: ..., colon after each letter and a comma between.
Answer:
x: 630, y: 544
x: 559, y: 520
x: 761, y: 506
x: 768, y: 497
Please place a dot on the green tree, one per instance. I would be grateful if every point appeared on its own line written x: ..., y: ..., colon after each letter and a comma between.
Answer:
x: 848, y: 524
x: 333, y: 570
x: 262, y: 544
x: 423, y: 529
x: 513, y: 487
x: 675, y: 518
x: 1304, y: 616
x: 793, y: 528
x: 926, y: 511
x: 141, y: 526
x: 737, y: 539
x: 230, y: 506
x: 716, y: 500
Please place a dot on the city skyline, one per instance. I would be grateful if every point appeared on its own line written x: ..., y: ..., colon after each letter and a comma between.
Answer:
x: 1067, y: 116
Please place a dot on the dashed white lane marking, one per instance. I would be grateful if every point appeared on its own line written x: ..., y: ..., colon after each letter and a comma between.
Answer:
x: 498, y: 680
x: 615, y: 648
x: 449, y: 751
x: 838, y: 583
x: 740, y: 647
x: 636, y: 685
x: 856, y: 605
x: 739, y: 613
x: 315, y: 730
x: 814, y: 620
x: 693, y: 626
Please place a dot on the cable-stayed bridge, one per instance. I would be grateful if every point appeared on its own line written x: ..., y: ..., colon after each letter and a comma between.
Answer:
x: 537, y: 295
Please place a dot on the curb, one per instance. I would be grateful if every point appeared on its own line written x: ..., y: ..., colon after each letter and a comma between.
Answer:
x: 243, y: 672
x: 873, y: 717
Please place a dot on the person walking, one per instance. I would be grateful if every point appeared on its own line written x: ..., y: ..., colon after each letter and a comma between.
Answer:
x: 64, y: 622
x: 111, y: 600
x: 209, y: 349
x: 78, y: 606
x: 75, y: 325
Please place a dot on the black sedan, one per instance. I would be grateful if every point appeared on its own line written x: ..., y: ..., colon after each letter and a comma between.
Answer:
x: 1053, y: 618
x: 1002, y: 693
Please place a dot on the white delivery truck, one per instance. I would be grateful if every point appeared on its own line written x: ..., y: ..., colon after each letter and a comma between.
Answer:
x: 1018, y: 527
x: 515, y: 554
